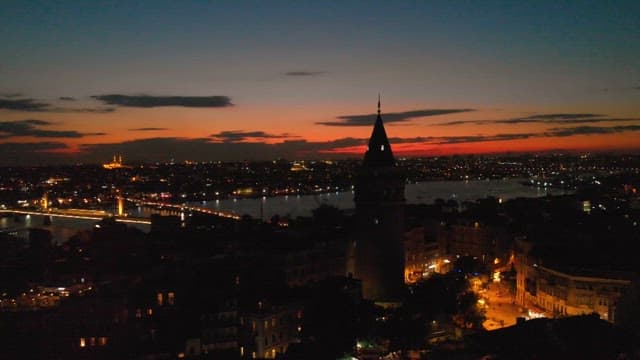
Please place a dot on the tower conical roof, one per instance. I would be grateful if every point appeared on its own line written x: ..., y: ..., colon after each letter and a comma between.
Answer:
x: 379, y: 151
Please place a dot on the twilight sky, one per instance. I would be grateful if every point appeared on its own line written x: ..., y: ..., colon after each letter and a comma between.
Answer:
x: 235, y: 80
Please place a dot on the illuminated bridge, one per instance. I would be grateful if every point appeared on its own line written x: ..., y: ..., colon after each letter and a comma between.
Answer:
x: 78, y: 214
x: 87, y: 214
x: 185, y: 208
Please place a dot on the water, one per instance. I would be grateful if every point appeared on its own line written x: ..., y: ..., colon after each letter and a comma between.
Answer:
x: 424, y: 192
x: 303, y: 205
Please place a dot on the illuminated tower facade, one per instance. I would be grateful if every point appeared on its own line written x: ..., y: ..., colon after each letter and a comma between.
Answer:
x: 120, y: 205
x: 379, y: 199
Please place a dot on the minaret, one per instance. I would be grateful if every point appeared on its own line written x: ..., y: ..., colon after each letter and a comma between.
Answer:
x: 379, y: 199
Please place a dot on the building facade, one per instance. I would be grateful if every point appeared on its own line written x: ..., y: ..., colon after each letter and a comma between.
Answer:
x: 269, y: 330
x: 565, y: 291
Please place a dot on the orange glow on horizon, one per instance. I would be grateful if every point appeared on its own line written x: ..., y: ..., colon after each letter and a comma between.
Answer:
x: 300, y: 123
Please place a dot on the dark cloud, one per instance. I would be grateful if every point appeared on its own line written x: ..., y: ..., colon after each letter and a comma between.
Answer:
x: 544, y: 119
x: 368, y: 119
x: 149, y: 129
x: 419, y: 139
x: 239, y: 135
x: 148, y: 101
x: 590, y: 130
x: 33, y: 105
x: 31, y: 127
x: 482, y: 138
x: 304, y: 73
x: 22, y: 105
x: 562, y: 116
x: 554, y: 132
x: 82, y: 110
x: 11, y: 95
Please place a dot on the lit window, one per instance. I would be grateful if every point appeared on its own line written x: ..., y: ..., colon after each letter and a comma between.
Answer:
x: 160, y: 299
x: 266, y: 324
x: 381, y: 147
x: 92, y: 341
x: 299, y: 328
x: 82, y: 342
x: 138, y: 313
x: 253, y: 354
x: 102, y: 341
x: 171, y: 298
x: 241, y: 350
x: 149, y: 311
x: 273, y: 353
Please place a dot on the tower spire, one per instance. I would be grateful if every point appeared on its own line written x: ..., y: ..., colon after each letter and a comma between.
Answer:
x: 379, y: 151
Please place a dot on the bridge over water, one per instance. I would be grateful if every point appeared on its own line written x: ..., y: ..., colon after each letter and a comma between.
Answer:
x: 177, y: 208
x: 87, y: 214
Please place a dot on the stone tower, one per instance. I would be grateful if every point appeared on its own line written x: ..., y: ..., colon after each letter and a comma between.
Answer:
x: 379, y: 198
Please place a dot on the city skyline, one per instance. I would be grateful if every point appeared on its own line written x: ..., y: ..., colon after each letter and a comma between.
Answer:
x: 299, y: 80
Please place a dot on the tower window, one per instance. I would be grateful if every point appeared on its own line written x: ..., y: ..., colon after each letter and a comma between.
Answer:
x: 376, y: 221
x: 381, y: 147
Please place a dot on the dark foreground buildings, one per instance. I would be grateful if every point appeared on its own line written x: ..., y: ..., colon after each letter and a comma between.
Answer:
x: 379, y: 199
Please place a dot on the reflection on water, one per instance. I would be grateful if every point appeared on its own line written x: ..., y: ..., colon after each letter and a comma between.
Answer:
x: 303, y: 205
x: 425, y: 192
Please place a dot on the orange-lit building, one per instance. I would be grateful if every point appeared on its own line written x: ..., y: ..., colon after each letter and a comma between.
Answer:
x: 553, y: 290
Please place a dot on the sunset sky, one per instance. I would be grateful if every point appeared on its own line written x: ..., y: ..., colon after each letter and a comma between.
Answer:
x: 253, y: 80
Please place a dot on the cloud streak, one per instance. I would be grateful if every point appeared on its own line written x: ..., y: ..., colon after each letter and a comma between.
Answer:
x: 590, y: 130
x: 304, y: 73
x: 149, y: 129
x: 148, y: 101
x: 368, y: 119
x: 22, y: 104
x: 31, y: 127
x: 32, y: 105
x: 81, y: 110
x: 239, y: 135
x: 544, y: 119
